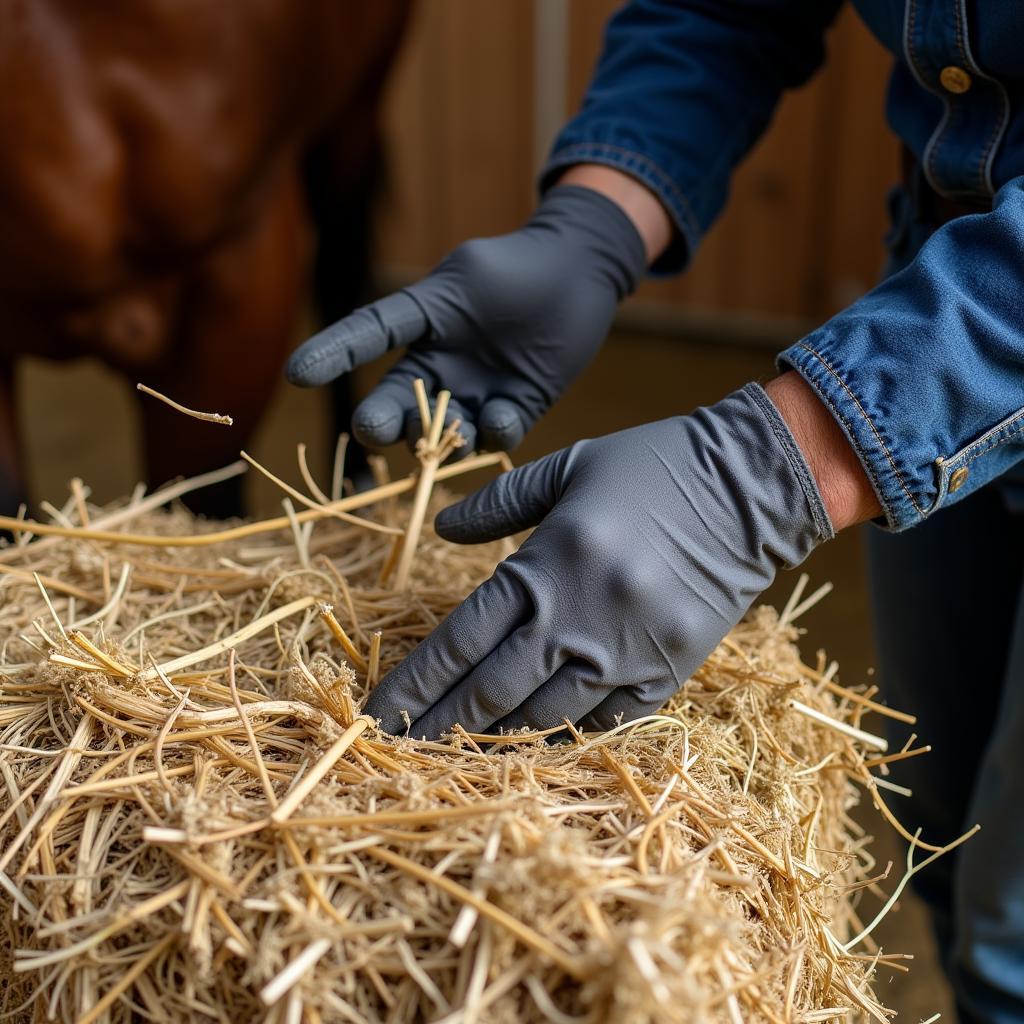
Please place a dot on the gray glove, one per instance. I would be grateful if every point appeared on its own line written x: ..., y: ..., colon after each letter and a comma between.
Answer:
x: 504, y: 323
x: 650, y: 545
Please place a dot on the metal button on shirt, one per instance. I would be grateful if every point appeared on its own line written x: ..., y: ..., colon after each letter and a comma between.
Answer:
x: 955, y: 80
x: 956, y: 481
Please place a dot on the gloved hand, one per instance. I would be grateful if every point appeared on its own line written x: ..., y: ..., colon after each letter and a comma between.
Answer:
x: 650, y: 545
x: 504, y: 323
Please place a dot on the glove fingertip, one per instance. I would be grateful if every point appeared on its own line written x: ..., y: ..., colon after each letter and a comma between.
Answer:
x: 465, y: 523
x: 362, y: 336
x: 305, y: 370
x: 501, y: 425
x: 319, y: 359
x: 337, y: 350
x: 450, y: 524
x: 378, y: 420
x: 376, y: 706
x: 517, y: 500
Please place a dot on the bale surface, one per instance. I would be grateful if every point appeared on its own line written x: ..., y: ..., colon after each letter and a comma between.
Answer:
x: 159, y: 704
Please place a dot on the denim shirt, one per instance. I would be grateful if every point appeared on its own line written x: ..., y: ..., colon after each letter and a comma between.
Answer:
x: 926, y: 372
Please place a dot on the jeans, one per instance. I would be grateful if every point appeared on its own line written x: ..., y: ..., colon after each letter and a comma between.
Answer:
x: 949, y: 624
x: 948, y: 604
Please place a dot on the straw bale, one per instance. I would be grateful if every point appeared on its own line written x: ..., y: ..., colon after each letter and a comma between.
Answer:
x: 698, y: 865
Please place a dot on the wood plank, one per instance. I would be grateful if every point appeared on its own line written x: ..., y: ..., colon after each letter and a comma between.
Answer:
x: 864, y: 164
x: 800, y: 237
x: 459, y: 129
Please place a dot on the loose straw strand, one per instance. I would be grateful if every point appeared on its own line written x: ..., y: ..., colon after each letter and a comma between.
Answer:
x: 206, y: 417
x: 431, y: 453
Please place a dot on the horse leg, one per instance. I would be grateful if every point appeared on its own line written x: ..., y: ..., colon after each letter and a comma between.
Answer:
x: 12, y: 484
x: 235, y: 328
x: 344, y: 168
x: 342, y: 208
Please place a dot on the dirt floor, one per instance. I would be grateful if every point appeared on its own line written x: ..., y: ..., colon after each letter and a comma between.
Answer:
x: 636, y: 379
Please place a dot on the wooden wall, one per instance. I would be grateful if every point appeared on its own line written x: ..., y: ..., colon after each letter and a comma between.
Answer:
x: 801, y: 236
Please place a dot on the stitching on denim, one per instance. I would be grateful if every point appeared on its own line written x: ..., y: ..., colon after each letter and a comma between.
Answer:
x: 867, y: 419
x: 960, y: 18
x: 961, y: 29
x: 928, y: 157
x: 997, y: 139
x: 984, y: 175
x: 1004, y: 432
x: 1002, y: 439
x: 960, y: 35
x: 637, y: 161
x: 988, y: 154
x: 591, y: 149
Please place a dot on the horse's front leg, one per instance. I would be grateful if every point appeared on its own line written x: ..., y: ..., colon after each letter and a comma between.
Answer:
x: 12, y: 484
x: 235, y: 326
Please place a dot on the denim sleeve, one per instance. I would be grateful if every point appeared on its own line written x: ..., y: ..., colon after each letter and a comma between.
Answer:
x: 682, y: 90
x: 926, y: 373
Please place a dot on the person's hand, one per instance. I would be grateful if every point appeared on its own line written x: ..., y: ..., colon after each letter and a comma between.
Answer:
x: 504, y: 323
x: 650, y: 545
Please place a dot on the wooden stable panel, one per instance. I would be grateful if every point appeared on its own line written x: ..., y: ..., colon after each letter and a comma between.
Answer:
x: 801, y: 236
x: 459, y: 129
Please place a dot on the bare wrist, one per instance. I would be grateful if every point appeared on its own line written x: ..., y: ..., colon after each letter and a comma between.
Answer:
x: 845, y: 488
x: 638, y: 202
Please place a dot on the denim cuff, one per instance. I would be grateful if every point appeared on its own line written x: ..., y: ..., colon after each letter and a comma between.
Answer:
x: 687, y: 235
x: 892, y: 484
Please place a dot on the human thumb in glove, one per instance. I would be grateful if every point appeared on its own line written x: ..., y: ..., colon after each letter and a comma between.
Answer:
x: 505, y: 324
x: 649, y: 545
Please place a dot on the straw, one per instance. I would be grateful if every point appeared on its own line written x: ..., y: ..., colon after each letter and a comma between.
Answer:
x: 196, y: 822
x: 208, y: 417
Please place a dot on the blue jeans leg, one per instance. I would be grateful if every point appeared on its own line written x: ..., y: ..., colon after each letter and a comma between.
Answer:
x: 987, y: 963
x: 950, y: 636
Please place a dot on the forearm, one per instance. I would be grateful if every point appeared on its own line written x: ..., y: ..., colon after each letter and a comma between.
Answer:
x: 926, y: 372
x: 923, y: 373
x: 682, y: 90
x: 845, y: 489
x: 639, y: 203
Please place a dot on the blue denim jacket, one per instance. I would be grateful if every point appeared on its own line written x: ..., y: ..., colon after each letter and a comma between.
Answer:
x: 926, y: 372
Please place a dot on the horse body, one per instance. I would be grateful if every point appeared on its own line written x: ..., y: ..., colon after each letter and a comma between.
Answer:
x: 155, y: 211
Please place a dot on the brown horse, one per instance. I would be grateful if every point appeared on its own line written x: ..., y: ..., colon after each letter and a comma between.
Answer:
x: 160, y: 162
